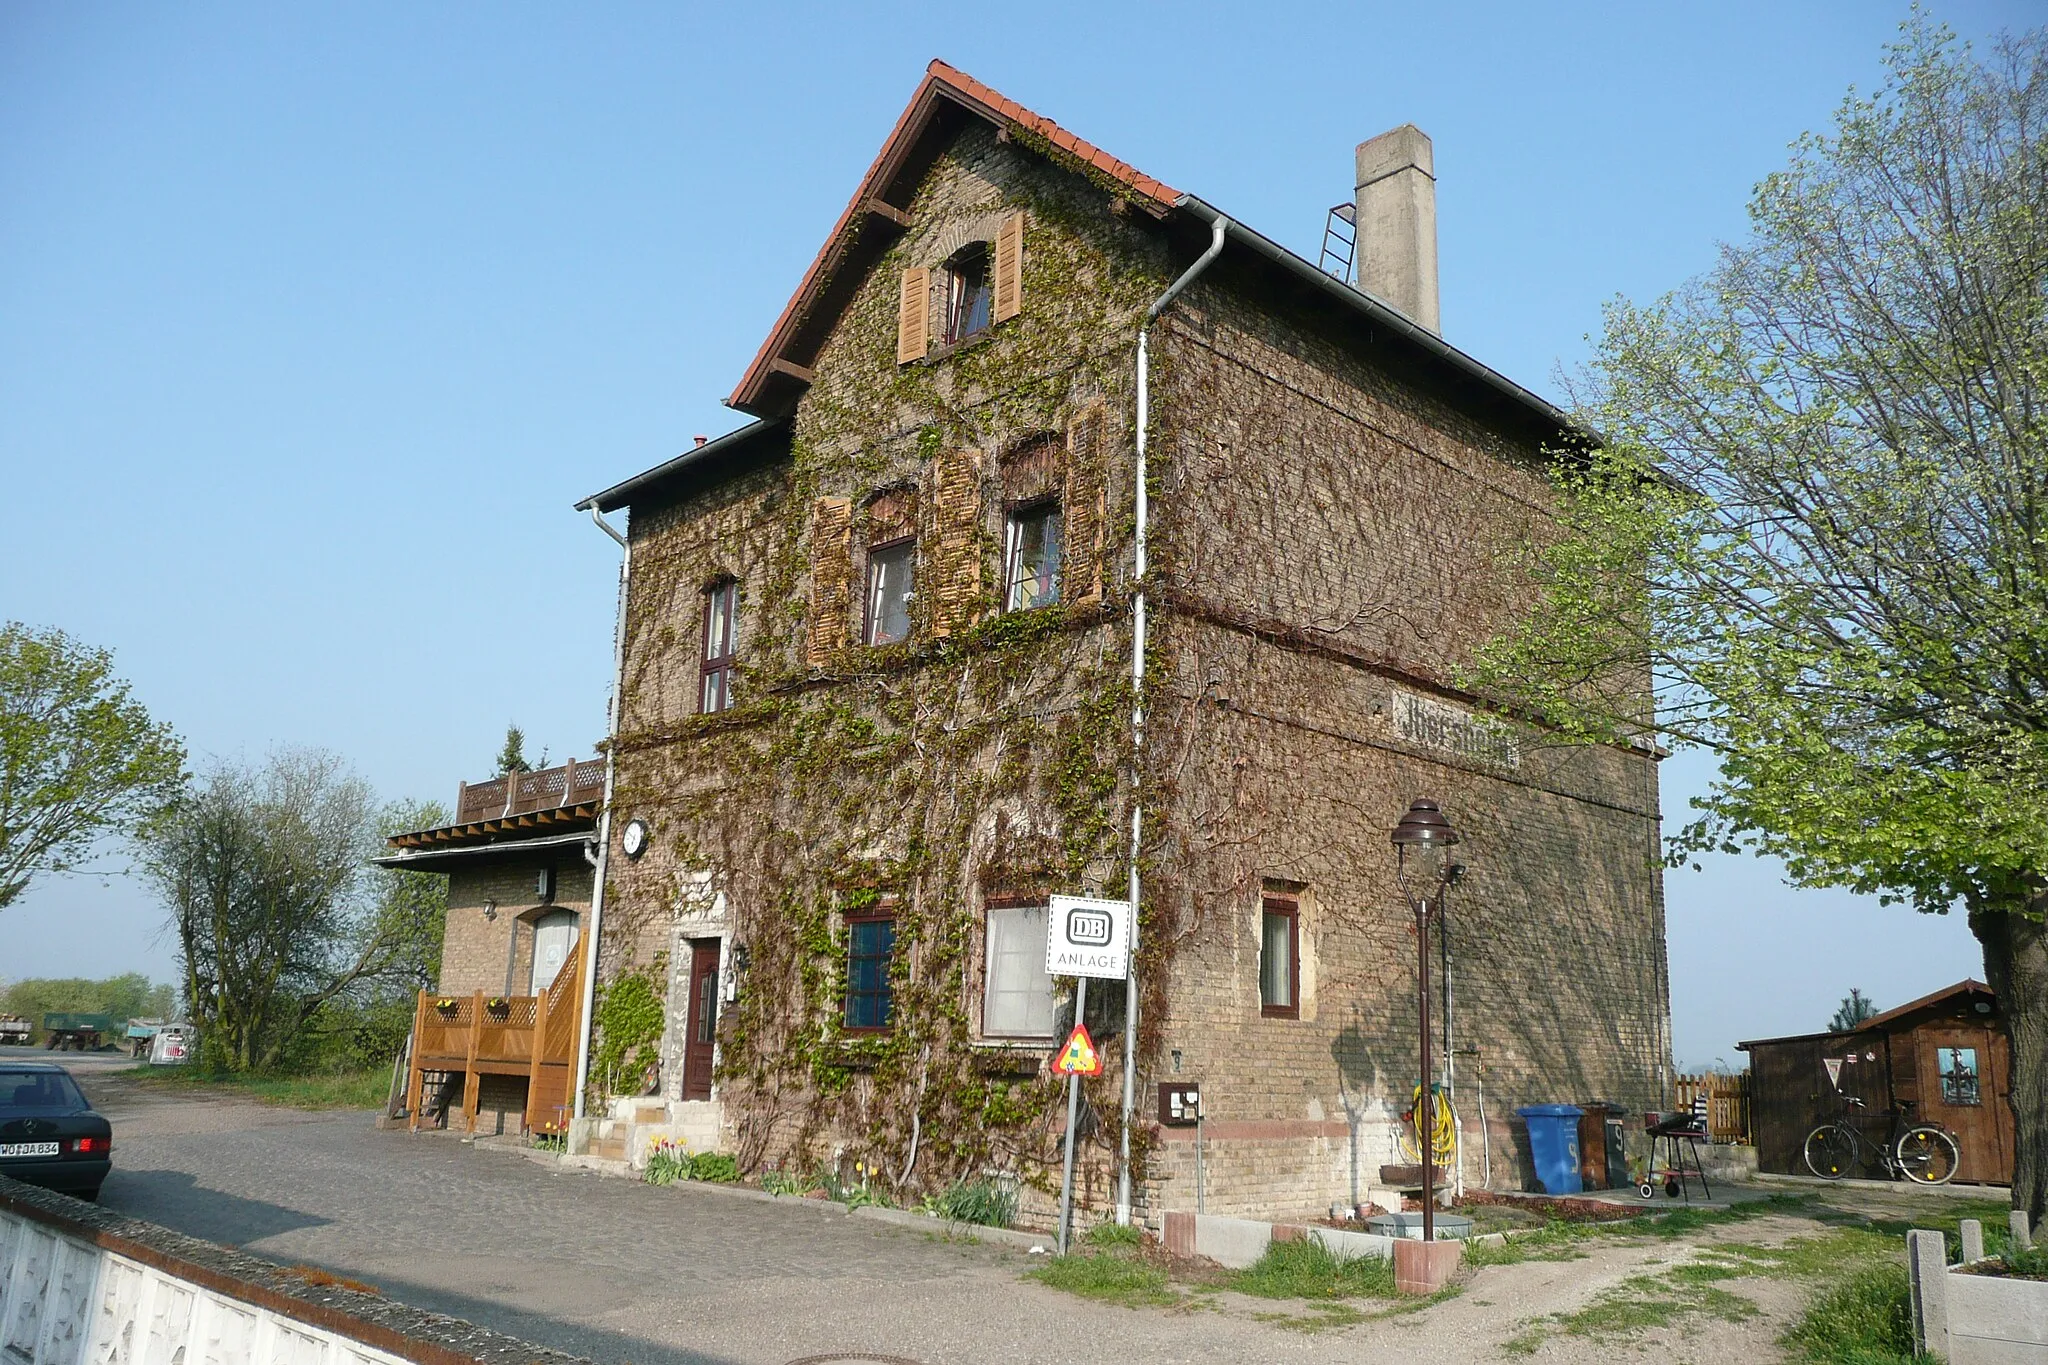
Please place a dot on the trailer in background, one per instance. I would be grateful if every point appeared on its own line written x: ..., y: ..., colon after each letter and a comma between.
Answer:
x: 15, y: 1030
x: 64, y: 1031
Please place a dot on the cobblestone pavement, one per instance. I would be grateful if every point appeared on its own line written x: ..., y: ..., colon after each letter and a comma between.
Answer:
x: 623, y: 1272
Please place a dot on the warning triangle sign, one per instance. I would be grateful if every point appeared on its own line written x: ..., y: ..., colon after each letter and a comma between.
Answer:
x: 1078, y: 1057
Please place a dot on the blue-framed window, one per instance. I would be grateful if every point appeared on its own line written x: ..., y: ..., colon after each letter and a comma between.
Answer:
x: 870, y: 949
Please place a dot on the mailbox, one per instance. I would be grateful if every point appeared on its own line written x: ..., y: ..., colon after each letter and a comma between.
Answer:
x: 1180, y: 1103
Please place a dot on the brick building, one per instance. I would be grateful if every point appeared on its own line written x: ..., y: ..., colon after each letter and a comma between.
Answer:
x: 519, y: 862
x: 875, y: 703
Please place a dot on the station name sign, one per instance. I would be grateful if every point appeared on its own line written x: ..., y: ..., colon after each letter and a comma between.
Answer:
x: 1088, y: 938
x: 1451, y: 729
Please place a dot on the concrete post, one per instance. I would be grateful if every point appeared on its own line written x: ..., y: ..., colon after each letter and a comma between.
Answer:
x: 1397, y: 223
x: 2022, y: 1236
x: 1927, y: 1262
x: 1973, y: 1240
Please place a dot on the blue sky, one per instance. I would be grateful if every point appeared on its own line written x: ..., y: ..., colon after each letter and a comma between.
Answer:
x: 314, y: 321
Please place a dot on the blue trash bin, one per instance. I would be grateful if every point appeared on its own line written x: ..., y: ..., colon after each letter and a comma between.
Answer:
x: 1554, y: 1143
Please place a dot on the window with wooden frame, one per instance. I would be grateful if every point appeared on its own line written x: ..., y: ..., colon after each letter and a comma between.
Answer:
x: 870, y: 953
x: 714, y: 684
x: 1280, y: 958
x: 892, y: 567
x: 1033, y: 550
x: 1017, y: 996
x: 1031, y: 556
x: 969, y: 301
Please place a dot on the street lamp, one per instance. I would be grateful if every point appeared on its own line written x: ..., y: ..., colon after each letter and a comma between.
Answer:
x: 1424, y: 838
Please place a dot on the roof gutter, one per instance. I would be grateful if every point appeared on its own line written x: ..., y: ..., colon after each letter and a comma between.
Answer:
x: 1382, y: 314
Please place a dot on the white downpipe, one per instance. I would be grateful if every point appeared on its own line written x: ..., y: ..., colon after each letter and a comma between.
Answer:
x: 604, y: 814
x: 1219, y: 225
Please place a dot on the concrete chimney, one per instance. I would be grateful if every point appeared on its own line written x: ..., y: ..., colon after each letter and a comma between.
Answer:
x: 1397, y: 223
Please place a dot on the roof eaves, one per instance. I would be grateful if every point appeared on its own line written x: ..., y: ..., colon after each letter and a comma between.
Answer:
x: 621, y: 494
x: 1384, y: 314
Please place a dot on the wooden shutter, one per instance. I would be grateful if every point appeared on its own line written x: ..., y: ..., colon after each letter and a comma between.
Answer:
x: 913, y: 328
x: 831, y: 578
x: 1085, y: 511
x: 1010, y: 268
x: 955, y: 563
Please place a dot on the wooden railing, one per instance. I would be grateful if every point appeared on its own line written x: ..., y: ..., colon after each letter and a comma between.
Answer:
x: 1727, y: 1103
x: 524, y: 793
x: 531, y: 1036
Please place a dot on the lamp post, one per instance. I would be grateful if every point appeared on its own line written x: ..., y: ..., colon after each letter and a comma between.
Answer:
x: 1425, y: 836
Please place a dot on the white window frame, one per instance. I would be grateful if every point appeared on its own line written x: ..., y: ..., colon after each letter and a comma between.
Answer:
x: 1015, y: 961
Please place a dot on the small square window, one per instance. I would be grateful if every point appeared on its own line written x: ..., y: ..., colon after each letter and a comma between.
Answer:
x: 891, y: 573
x: 870, y: 996
x: 1280, y: 959
x: 1958, y: 1067
x: 1031, y: 557
x: 714, y: 687
x: 969, y: 297
x: 1017, y: 1000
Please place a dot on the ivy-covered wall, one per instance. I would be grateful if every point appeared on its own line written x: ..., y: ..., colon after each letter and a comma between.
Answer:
x: 1330, y: 533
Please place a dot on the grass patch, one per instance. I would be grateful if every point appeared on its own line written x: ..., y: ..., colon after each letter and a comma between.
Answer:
x: 1307, y: 1269
x: 1318, y: 1317
x: 344, y: 1090
x: 1866, y: 1319
x: 1108, y: 1279
x: 1642, y: 1303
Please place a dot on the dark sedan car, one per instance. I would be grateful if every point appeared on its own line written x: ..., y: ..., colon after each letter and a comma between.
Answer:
x: 49, y: 1135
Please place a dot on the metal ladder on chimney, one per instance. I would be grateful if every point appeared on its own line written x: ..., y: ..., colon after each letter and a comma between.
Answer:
x: 1340, y: 242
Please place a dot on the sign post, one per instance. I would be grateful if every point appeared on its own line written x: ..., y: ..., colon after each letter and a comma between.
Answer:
x: 1084, y: 938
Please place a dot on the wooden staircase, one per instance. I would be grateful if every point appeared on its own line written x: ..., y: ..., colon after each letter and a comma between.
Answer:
x: 531, y: 1036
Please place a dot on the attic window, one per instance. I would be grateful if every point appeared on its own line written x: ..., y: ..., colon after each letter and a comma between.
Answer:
x: 969, y: 295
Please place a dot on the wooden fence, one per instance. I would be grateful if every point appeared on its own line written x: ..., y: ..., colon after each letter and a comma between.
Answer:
x: 1727, y: 1103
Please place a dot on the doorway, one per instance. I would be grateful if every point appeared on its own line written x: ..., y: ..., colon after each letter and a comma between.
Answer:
x: 554, y: 934
x: 701, y: 1027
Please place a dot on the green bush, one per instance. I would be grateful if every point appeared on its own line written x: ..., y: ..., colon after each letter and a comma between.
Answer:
x: 1306, y: 1269
x: 988, y: 1203
x: 669, y: 1163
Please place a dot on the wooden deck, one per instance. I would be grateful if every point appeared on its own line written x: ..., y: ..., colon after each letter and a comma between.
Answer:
x: 533, y: 1036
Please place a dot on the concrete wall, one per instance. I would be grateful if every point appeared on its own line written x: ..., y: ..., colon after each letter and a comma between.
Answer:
x: 78, y: 1284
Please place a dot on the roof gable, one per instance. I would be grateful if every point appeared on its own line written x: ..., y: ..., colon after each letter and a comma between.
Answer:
x: 875, y: 214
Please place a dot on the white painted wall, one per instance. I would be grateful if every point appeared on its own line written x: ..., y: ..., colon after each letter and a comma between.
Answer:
x: 66, y: 1301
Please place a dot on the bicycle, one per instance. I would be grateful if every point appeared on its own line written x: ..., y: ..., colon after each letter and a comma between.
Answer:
x: 1924, y: 1153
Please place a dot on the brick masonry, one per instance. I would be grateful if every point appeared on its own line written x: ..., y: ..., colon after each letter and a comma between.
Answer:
x: 1332, y: 535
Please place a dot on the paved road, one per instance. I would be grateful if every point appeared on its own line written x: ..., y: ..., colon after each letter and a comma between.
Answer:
x: 623, y: 1272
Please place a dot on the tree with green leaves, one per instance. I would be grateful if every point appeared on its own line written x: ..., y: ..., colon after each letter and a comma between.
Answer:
x: 1816, y: 524
x: 80, y: 759
x: 512, y: 757
x: 1855, y: 1008
x: 274, y: 907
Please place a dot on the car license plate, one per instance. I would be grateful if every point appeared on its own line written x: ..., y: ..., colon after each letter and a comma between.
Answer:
x: 28, y: 1149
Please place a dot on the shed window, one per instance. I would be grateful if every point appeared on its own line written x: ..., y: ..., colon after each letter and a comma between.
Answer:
x: 714, y: 688
x: 1280, y: 958
x: 1958, y: 1075
x: 870, y: 949
x: 969, y: 297
x: 1031, y: 556
x: 1017, y: 1000
x: 891, y: 571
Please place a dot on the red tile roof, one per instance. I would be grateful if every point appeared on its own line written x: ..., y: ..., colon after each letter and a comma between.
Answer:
x: 941, y: 82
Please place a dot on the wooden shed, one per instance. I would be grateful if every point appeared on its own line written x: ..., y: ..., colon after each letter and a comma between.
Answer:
x: 1945, y: 1055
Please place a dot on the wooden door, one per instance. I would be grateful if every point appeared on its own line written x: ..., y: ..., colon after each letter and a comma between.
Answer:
x: 1961, y: 1089
x: 702, y: 1024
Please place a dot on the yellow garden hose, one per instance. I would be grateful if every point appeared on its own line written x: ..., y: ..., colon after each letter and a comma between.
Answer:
x: 1443, y: 1128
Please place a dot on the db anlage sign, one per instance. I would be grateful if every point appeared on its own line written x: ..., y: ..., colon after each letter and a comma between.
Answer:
x: 1088, y: 938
